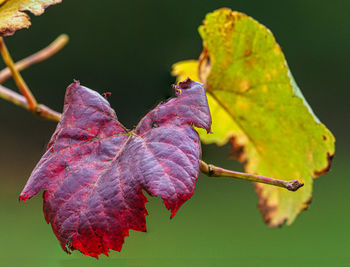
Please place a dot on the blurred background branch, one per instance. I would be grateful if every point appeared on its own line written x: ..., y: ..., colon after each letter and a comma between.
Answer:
x: 28, y: 101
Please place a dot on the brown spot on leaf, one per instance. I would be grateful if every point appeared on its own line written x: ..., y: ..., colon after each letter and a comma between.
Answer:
x: 9, y: 31
x: 266, y: 209
x: 237, y: 150
x: 327, y: 168
x: 307, y: 203
x: 247, y: 52
x: 248, y: 47
x: 204, y: 65
x: 324, y: 137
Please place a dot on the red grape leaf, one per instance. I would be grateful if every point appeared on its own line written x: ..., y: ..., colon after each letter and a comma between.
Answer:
x: 94, y: 170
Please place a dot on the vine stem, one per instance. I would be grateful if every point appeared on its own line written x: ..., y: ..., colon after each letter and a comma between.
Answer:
x: 215, y: 171
x: 39, y: 56
x: 22, y: 86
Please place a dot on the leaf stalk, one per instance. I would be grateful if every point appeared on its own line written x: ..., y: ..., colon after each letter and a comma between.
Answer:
x: 214, y: 171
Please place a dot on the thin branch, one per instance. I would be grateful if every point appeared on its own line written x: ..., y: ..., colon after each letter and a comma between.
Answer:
x: 39, y: 56
x: 212, y: 170
x: 19, y: 100
x: 22, y: 86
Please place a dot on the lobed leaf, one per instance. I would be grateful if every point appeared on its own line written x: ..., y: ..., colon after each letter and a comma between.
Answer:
x: 259, y: 110
x: 94, y: 169
x: 13, y: 16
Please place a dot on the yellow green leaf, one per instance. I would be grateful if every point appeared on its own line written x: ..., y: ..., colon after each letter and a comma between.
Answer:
x: 258, y: 108
x: 13, y: 16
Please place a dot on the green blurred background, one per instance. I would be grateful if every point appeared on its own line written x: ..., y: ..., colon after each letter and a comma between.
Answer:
x: 128, y: 47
